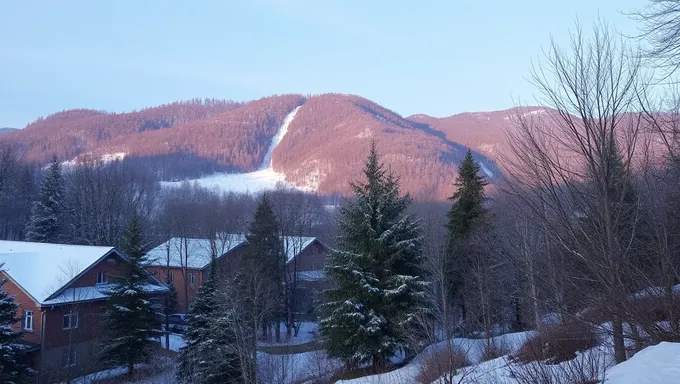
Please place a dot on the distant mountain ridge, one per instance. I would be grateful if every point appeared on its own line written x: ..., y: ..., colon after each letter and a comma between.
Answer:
x: 7, y: 130
x: 323, y: 148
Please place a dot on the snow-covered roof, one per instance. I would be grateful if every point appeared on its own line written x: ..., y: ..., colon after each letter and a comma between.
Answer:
x: 311, y: 275
x: 196, y: 253
x: 96, y: 292
x: 41, y: 269
x: 192, y: 253
x: 293, y: 245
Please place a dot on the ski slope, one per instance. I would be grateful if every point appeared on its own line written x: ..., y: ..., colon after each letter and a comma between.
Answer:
x: 265, y: 178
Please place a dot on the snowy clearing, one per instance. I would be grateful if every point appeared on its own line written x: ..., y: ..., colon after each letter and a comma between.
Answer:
x: 265, y: 178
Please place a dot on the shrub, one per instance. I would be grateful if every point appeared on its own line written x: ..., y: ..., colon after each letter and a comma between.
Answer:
x: 441, y: 362
x: 557, y: 344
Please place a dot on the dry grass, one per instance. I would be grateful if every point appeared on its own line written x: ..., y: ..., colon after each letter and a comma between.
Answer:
x: 557, y: 344
x: 441, y: 362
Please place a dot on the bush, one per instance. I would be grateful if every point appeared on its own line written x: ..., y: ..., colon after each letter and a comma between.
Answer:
x: 494, y: 349
x: 439, y: 363
x: 557, y: 344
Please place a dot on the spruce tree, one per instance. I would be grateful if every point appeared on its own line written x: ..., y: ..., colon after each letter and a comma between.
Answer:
x: 130, y: 321
x: 265, y: 249
x: 45, y: 225
x: 210, y: 355
x: 376, y: 272
x: 11, y: 368
x: 465, y: 217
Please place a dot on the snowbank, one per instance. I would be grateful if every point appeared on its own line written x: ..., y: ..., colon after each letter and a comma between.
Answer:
x: 658, y: 364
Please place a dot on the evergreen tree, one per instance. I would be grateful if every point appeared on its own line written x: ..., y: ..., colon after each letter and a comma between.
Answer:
x: 210, y: 354
x: 47, y: 213
x: 465, y: 217
x: 11, y: 368
x: 376, y: 272
x: 266, y: 251
x: 130, y: 321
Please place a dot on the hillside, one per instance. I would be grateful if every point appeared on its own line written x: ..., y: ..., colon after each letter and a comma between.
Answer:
x: 321, y: 149
x: 6, y: 130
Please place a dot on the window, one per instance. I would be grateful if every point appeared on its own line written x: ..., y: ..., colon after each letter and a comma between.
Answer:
x: 68, y: 357
x: 171, y: 278
x: 28, y: 320
x: 192, y: 278
x: 70, y: 320
x: 102, y: 278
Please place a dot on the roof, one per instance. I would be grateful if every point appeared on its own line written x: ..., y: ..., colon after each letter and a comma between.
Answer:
x: 191, y: 253
x: 195, y: 253
x: 97, y: 292
x: 294, y: 245
x: 41, y: 269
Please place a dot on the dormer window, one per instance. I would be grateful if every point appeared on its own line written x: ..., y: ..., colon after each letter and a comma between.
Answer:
x: 102, y: 278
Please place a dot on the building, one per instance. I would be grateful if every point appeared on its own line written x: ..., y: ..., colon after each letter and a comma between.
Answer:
x: 61, y: 291
x: 184, y: 262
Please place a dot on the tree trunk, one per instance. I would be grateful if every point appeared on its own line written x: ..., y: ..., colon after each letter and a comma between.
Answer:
x: 619, y: 342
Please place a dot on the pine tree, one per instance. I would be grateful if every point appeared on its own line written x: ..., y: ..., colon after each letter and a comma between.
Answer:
x: 209, y: 356
x: 465, y: 217
x: 11, y: 368
x: 376, y: 272
x: 265, y: 249
x: 47, y: 213
x: 130, y: 321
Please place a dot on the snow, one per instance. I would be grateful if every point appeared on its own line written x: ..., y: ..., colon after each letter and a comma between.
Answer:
x: 42, y: 268
x: 309, y: 331
x: 199, y: 250
x: 295, y: 368
x: 653, y: 365
x: 105, y: 158
x: 267, y: 160
x: 485, y: 169
x: 97, y: 292
x: 294, y: 245
x: 473, y: 349
x: 265, y: 178
x: 176, y: 342
x: 311, y: 275
x: 192, y: 253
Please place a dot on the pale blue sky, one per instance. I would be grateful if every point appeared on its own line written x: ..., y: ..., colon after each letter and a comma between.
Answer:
x: 436, y: 57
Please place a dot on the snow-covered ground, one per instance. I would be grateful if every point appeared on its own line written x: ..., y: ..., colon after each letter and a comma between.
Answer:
x: 265, y: 178
x: 653, y: 365
x: 176, y: 342
x: 659, y: 364
x: 309, y: 331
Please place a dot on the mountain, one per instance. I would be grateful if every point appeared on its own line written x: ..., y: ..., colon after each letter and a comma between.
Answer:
x: 316, y: 143
x: 6, y: 130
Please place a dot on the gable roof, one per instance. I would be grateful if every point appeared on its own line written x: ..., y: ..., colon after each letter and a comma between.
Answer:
x: 42, y: 269
x: 199, y: 250
x: 191, y: 253
x: 294, y: 245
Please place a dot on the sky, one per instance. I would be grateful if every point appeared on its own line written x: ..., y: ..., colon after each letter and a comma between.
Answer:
x: 437, y: 57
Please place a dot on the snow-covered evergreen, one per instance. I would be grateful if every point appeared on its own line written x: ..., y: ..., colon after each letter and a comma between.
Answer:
x: 210, y: 354
x: 130, y: 322
x: 11, y: 369
x: 47, y: 213
x: 376, y: 270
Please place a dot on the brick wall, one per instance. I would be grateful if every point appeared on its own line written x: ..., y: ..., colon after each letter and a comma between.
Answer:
x: 312, y: 258
x: 180, y: 277
x: 110, y: 266
x: 25, y: 304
